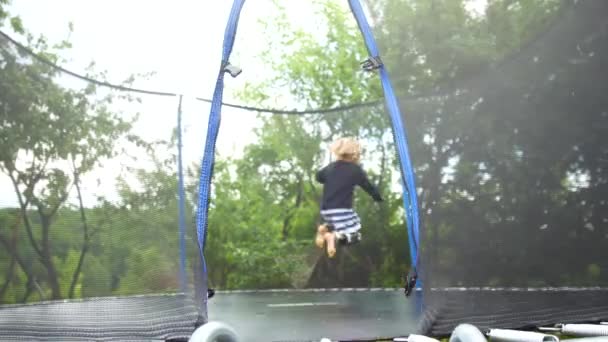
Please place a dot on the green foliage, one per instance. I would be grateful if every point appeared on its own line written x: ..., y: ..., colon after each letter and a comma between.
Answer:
x: 324, y: 72
x: 440, y: 42
x: 509, y: 154
x: 3, y: 12
x: 427, y: 44
x: 247, y: 245
x: 17, y: 25
x: 51, y: 136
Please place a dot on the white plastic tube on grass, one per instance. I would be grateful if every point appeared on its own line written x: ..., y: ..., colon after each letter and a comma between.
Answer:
x: 416, y: 338
x: 506, y: 335
x: 585, y: 330
x: 579, y: 330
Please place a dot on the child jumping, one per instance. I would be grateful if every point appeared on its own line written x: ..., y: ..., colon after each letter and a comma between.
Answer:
x: 339, y: 179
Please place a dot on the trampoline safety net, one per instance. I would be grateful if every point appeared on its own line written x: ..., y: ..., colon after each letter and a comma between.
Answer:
x: 91, y: 243
x: 506, y: 116
x: 513, y: 182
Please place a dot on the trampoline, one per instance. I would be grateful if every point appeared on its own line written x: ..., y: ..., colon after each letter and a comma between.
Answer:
x: 272, y: 315
x: 136, y: 318
x: 505, y: 215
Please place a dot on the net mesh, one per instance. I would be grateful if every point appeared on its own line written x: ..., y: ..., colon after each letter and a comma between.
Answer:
x: 511, y: 164
x: 90, y: 207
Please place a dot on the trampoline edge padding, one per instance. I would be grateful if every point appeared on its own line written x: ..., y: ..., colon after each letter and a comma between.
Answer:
x: 133, y: 318
x: 511, y: 309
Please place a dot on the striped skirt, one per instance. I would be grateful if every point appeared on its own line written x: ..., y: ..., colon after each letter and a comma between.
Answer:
x: 344, y: 222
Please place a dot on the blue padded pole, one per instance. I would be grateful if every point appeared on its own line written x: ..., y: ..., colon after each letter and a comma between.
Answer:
x: 212, y: 132
x: 182, y: 209
x: 410, y: 200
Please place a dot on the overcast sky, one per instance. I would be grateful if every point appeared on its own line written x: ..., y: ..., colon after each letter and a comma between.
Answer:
x: 180, y: 41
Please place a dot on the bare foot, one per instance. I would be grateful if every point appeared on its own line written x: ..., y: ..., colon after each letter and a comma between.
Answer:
x: 331, y: 244
x: 320, y: 240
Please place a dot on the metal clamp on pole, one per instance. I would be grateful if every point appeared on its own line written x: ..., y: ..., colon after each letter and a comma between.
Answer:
x: 372, y: 63
x: 410, y: 283
x: 233, y: 70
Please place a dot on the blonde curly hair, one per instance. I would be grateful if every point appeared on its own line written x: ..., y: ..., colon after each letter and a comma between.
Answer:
x: 347, y: 149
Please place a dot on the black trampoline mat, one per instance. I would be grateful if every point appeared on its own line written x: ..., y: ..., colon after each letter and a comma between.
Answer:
x: 137, y: 318
x: 312, y: 315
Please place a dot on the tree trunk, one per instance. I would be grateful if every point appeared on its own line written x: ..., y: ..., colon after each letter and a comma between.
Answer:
x: 10, y: 272
x: 12, y: 249
x: 77, y: 271
x: 23, y: 207
x: 340, y: 267
x: 9, y: 277
x: 29, y: 289
x: 47, y: 258
x: 431, y: 224
x: 289, y: 216
x: 86, y: 239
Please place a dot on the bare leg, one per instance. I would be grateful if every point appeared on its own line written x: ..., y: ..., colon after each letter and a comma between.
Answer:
x: 320, y: 239
x: 330, y: 238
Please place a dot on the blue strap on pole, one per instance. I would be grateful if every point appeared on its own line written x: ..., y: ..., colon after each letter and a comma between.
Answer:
x: 410, y: 200
x: 182, y: 195
x: 212, y: 132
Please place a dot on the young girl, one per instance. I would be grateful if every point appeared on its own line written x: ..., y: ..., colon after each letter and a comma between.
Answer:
x: 339, y: 179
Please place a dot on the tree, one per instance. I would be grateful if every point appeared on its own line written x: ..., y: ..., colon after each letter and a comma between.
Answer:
x: 51, y: 137
x: 324, y: 72
x: 434, y: 47
x: 494, y: 175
